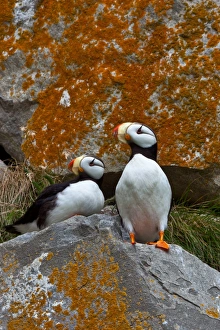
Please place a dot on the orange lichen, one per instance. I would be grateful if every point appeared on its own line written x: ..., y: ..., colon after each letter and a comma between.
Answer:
x: 96, y: 298
x: 9, y: 264
x: 50, y: 255
x: 26, y: 84
x: 160, y: 74
x: 213, y: 312
x: 89, y: 285
x: 27, y: 314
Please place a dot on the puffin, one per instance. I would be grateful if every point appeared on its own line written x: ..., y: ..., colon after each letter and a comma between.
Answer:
x: 143, y: 194
x: 80, y: 196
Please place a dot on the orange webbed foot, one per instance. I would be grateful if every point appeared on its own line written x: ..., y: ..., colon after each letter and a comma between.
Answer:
x: 132, y: 237
x: 161, y: 244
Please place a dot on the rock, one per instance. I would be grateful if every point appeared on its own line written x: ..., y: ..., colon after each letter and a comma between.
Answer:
x: 139, y: 61
x: 82, y: 274
x: 3, y: 169
x: 14, y: 116
x: 195, y: 186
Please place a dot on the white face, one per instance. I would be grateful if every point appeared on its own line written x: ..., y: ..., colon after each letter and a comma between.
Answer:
x: 93, y: 167
x: 141, y: 135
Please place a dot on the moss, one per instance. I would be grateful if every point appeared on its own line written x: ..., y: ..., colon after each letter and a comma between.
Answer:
x: 127, y: 49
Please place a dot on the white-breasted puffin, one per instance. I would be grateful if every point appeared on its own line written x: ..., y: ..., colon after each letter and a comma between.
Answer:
x: 143, y: 193
x: 57, y: 202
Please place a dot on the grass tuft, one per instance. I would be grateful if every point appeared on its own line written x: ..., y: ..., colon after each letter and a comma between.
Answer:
x: 197, y: 230
x: 19, y: 187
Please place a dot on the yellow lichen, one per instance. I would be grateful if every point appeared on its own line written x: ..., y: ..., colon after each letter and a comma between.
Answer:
x: 50, y: 255
x: 9, y: 263
x: 96, y: 299
x: 213, y: 312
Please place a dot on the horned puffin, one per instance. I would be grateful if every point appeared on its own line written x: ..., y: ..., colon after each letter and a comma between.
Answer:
x: 57, y: 202
x: 143, y: 193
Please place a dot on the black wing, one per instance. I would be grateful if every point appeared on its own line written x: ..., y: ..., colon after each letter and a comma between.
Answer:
x: 55, y: 189
x: 42, y: 204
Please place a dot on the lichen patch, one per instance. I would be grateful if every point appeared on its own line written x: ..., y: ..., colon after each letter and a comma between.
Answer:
x: 131, y: 61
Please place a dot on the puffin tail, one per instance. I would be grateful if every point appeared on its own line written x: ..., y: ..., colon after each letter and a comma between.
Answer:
x: 11, y: 229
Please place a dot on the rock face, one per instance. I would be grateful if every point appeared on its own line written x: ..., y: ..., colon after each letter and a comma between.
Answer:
x: 147, y: 61
x: 81, y: 274
x: 13, y: 117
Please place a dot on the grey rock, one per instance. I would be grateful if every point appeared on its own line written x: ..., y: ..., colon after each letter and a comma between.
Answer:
x: 195, y: 186
x: 3, y: 168
x: 13, y: 116
x: 82, y: 273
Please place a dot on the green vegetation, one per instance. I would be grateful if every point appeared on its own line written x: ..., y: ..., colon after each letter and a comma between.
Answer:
x: 19, y: 187
x: 196, y: 229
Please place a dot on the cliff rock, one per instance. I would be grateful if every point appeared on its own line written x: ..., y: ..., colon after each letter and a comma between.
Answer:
x: 77, y: 69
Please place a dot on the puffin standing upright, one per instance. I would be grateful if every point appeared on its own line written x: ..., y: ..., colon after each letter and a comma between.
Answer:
x: 143, y: 193
x: 60, y: 201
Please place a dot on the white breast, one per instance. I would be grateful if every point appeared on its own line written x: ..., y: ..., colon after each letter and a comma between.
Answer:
x: 143, y: 197
x: 84, y: 198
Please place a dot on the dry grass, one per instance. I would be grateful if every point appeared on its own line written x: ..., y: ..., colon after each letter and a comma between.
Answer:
x: 18, y: 189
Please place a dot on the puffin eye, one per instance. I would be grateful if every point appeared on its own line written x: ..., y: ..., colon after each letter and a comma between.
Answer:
x: 92, y: 162
x: 139, y: 130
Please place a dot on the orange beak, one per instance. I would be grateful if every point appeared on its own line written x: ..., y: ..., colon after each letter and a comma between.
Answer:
x: 70, y: 166
x: 115, y: 131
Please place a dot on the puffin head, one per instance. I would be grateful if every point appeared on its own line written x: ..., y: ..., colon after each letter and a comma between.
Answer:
x: 136, y: 133
x: 92, y: 166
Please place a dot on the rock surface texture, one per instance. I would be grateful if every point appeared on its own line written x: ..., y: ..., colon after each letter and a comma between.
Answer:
x: 78, y: 68
x: 82, y: 274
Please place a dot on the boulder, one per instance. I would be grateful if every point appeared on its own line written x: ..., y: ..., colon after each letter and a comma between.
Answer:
x: 13, y: 118
x: 84, y: 274
x: 153, y: 62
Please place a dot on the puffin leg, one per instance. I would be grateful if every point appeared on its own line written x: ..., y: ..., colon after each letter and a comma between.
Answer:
x: 132, y: 237
x: 160, y: 243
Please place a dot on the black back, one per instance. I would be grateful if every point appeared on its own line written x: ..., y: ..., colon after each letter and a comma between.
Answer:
x: 46, y: 201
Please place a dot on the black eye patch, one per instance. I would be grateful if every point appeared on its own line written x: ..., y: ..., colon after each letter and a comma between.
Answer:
x: 139, y: 130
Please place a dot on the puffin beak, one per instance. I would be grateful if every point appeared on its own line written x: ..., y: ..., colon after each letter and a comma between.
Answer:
x: 74, y: 165
x: 70, y: 165
x: 115, y: 131
x: 120, y: 132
